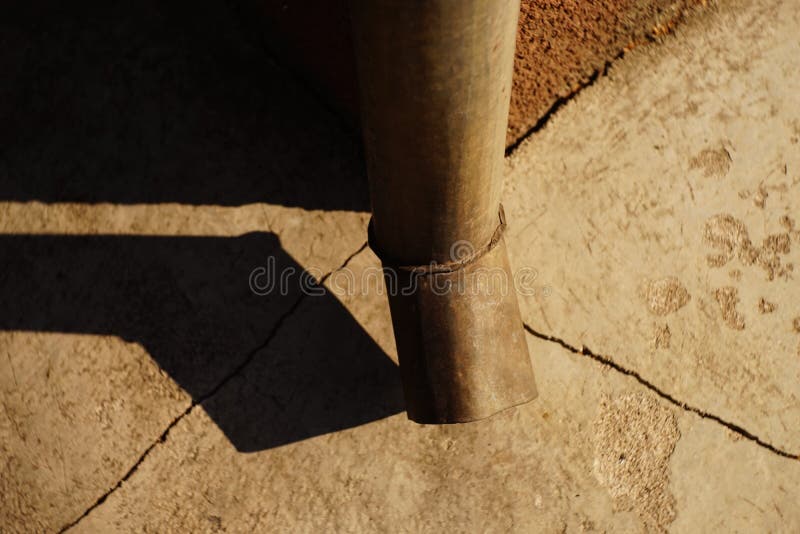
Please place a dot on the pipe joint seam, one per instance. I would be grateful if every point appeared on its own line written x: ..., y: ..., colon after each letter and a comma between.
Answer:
x: 434, y: 267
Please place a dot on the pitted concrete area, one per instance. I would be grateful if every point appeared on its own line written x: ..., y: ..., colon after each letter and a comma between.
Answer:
x: 665, y: 201
x: 152, y: 380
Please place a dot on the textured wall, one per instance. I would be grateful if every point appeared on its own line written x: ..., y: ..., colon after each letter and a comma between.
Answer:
x: 560, y: 44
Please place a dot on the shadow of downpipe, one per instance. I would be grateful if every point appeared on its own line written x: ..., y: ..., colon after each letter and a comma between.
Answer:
x: 187, y: 301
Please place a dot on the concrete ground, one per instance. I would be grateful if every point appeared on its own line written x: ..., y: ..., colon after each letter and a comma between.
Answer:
x: 146, y: 387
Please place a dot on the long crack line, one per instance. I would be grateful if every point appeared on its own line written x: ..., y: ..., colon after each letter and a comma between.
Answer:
x: 213, y: 391
x: 604, y: 360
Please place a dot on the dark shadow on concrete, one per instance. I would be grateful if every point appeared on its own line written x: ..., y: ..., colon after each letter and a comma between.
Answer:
x: 161, y: 101
x: 171, y: 101
x: 187, y: 300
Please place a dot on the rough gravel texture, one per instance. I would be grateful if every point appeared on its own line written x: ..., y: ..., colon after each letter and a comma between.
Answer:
x: 635, y: 437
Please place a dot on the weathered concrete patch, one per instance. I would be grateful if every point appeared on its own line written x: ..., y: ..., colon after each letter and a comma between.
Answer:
x: 77, y: 411
x: 614, y: 192
x: 713, y: 162
x: 665, y: 295
x: 634, y: 439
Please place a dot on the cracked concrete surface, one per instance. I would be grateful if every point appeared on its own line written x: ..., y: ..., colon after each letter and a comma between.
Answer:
x: 683, y: 165
x: 145, y: 387
x: 735, y: 429
x: 532, y: 468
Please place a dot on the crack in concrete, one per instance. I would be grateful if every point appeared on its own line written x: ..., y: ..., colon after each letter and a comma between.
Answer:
x: 560, y: 102
x: 596, y: 74
x: 213, y: 391
x: 604, y: 360
x: 583, y: 351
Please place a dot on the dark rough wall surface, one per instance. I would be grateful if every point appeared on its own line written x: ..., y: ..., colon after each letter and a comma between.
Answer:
x: 560, y: 45
x: 312, y: 39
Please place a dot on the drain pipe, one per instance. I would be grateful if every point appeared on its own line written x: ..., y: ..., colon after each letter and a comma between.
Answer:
x: 435, y: 82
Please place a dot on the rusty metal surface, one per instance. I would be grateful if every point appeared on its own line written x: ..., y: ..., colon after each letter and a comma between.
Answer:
x: 435, y: 79
x: 463, y: 354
